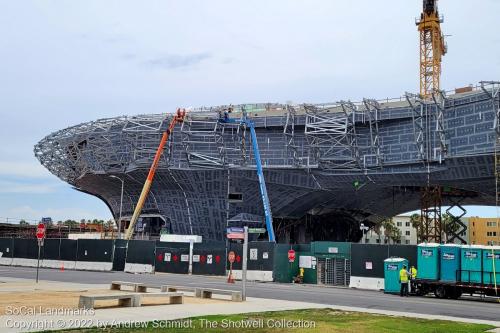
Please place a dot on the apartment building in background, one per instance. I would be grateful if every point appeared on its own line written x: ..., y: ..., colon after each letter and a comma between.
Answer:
x: 484, y: 230
x: 408, y: 233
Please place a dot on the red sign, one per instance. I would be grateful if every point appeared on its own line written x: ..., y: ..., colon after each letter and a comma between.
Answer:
x: 291, y: 255
x: 217, y: 259
x: 40, y: 231
x: 235, y: 236
x: 231, y: 256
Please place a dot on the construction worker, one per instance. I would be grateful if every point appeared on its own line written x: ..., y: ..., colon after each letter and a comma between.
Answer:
x: 299, y: 278
x: 413, y: 272
x: 413, y: 276
x: 403, y: 280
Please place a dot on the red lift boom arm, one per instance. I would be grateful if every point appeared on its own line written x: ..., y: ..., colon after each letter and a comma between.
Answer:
x: 177, y: 118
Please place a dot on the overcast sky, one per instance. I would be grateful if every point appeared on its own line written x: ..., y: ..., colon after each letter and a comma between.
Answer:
x: 67, y: 62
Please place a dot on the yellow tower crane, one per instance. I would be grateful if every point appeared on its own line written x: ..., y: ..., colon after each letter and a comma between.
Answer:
x: 432, y: 48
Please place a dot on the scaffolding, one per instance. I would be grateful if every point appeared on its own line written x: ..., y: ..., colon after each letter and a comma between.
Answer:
x: 492, y: 89
x: 430, y: 214
x: 374, y: 158
x: 331, y: 133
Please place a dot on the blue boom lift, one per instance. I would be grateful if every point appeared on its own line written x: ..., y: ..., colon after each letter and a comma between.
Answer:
x: 262, y: 183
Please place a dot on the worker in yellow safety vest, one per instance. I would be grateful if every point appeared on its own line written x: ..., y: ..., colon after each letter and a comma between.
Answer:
x: 413, y: 276
x: 403, y: 280
x: 413, y: 273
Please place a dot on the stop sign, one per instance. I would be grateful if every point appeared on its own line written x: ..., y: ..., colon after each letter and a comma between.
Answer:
x: 40, y: 231
x: 291, y: 255
x: 231, y: 256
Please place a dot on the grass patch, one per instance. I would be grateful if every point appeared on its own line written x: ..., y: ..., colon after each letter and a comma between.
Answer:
x: 314, y: 320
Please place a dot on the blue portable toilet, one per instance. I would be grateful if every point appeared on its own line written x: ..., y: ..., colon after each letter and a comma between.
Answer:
x: 428, y: 261
x: 449, y: 262
x: 471, y: 263
x: 491, y: 265
x: 392, y: 266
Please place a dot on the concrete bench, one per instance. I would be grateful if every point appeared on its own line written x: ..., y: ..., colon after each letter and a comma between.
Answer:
x: 117, y: 285
x: 207, y: 293
x: 143, y: 287
x: 173, y: 297
x: 129, y: 300
x: 183, y: 288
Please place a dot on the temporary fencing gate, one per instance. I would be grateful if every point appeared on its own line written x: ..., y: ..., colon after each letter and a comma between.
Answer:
x: 334, y: 271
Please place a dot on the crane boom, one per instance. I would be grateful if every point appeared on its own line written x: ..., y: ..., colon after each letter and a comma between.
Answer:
x: 260, y: 173
x: 432, y: 48
x: 177, y: 118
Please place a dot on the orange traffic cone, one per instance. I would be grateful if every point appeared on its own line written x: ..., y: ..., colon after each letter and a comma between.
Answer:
x: 230, y: 278
x: 62, y: 266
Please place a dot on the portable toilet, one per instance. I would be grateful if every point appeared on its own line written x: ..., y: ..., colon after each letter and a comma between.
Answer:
x: 449, y: 262
x: 471, y: 263
x: 491, y: 265
x: 392, y: 266
x: 428, y: 261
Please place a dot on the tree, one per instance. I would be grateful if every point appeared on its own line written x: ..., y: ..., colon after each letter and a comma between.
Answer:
x: 449, y: 227
x: 71, y: 223
x: 391, y: 232
x: 23, y: 222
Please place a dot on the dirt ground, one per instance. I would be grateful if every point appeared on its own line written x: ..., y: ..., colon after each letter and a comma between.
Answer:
x: 53, y: 299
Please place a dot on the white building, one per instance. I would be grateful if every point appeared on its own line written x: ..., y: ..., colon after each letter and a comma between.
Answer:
x: 408, y: 233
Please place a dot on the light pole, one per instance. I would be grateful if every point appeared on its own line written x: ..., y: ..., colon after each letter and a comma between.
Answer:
x: 121, y: 205
x: 364, y: 229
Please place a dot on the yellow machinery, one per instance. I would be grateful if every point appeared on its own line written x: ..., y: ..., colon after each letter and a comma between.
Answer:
x: 176, y: 118
x: 432, y: 48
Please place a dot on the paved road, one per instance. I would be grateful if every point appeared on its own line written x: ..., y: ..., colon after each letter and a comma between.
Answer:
x: 304, y: 293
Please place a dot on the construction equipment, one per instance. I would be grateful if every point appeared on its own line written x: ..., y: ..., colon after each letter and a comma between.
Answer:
x: 177, y: 118
x: 260, y: 174
x: 432, y: 48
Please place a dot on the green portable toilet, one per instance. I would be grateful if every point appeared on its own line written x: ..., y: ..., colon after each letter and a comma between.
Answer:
x: 392, y: 266
x: 491, y: 265
x: 471, y: 263
x: 449, y: 262
x: 428, y: 261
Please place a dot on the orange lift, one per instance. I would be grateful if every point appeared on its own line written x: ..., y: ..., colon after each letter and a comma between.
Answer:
x: 177, y: 118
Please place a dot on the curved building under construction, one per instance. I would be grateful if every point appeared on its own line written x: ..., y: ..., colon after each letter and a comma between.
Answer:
x: 327, y: 167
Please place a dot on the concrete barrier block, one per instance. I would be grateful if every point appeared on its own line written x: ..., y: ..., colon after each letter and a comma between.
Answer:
x: 370, y: 283
x: 50, y: 263
x: 25, y: 262
x: 252, y: 275
x: 93, y: 266
x: 138, y: 268
x: 5, y: 261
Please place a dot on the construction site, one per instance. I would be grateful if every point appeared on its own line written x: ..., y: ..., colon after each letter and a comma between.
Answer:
x: 305, y: 172
x: 259, y: 213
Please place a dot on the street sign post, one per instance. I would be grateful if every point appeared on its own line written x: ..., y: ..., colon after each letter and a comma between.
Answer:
x: 244, y: 265
x: 40, y: 235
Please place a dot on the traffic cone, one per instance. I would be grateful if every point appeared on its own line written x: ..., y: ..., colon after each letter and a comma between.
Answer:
x: 230, y: 278
x: 62, y: 266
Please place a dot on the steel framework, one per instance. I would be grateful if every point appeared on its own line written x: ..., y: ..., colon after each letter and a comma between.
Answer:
x: 330, y: 131
x: 307, y: 151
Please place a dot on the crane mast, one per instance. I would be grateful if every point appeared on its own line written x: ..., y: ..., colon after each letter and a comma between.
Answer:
x: 432, y: 48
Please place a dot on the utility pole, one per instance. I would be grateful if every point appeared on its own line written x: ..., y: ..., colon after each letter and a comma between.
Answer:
x: 121, y: 205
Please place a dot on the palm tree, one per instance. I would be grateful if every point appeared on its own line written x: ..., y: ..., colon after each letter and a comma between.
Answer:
x: 391, y: 232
